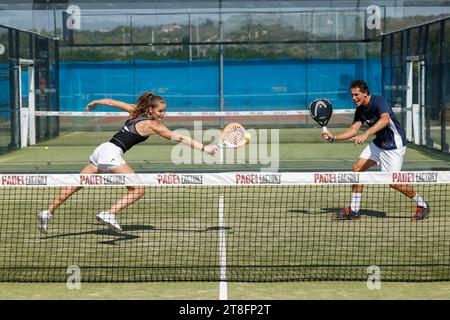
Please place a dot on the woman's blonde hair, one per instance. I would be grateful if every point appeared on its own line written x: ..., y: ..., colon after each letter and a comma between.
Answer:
x: 145, y: 102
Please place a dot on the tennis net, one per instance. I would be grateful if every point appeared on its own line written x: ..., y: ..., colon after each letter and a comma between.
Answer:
x: 233, y: 226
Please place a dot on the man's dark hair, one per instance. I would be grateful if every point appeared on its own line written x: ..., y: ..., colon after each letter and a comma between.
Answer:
x: 361, y: 85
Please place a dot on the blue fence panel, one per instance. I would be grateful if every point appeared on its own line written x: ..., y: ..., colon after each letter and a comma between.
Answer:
x: 82, y: 82
x: 5, y: 99
x: 186, y: 86
x: 264, y: 84
x: 194, y: 85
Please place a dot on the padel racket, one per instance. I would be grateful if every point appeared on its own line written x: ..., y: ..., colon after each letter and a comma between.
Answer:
x: 233, y: 136
x: 321, y: 111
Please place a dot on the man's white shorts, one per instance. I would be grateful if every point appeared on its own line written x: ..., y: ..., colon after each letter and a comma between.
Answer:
x: 390, y: 160
x: 107, y: 156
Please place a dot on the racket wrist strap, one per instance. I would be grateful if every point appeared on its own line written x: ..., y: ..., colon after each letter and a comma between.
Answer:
x: 203, y: 147
x: 333, y: 139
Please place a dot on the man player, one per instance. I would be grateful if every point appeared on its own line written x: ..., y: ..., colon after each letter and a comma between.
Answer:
x: 387, y: 149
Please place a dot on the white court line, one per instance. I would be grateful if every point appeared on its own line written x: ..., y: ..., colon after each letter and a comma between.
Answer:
x: 223, y: 286
x: 9, y: 158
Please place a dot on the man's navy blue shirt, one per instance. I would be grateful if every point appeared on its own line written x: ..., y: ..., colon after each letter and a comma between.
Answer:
x: 393, y: 135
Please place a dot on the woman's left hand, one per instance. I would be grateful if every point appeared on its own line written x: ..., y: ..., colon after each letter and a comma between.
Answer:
x: 90, y: 106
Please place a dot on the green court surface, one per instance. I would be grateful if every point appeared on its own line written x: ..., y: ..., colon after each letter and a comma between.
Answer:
x: 236, y: 291
x: 69, y: 153
x: 293, y: 149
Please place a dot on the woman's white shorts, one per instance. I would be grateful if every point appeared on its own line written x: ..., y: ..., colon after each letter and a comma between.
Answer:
x: 390, y: 160
x: 107, y: 156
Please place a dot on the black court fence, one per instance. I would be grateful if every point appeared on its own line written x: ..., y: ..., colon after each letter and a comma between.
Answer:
x: 416, y: 72
x: 28, y: 81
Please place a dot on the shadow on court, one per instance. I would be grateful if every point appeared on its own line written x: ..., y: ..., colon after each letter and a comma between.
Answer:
x: 374, y: 213
x: 130, y: 228
x: 104, y: 232
x: 300, y: 211
x: 193, y: 230
x: 362, y: 212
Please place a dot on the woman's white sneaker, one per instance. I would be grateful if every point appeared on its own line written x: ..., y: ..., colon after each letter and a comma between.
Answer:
x: 43, y: 220
x: 109, y: 220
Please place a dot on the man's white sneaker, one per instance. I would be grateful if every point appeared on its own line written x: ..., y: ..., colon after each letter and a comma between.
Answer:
x: 43, y: 220
x: 109, y: 220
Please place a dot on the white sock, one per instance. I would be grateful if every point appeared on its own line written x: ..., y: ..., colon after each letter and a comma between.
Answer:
x: 356, y: 202
x: 420, y: 202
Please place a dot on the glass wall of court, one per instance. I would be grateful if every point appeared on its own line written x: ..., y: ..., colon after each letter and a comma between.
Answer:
x: 220, y: 61
x: 19, y: 51
x: 221, y: 55
x: 215, y: 55
x: 420, y: 54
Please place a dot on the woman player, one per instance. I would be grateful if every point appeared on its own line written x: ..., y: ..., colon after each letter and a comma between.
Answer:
x: 145, y: 120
